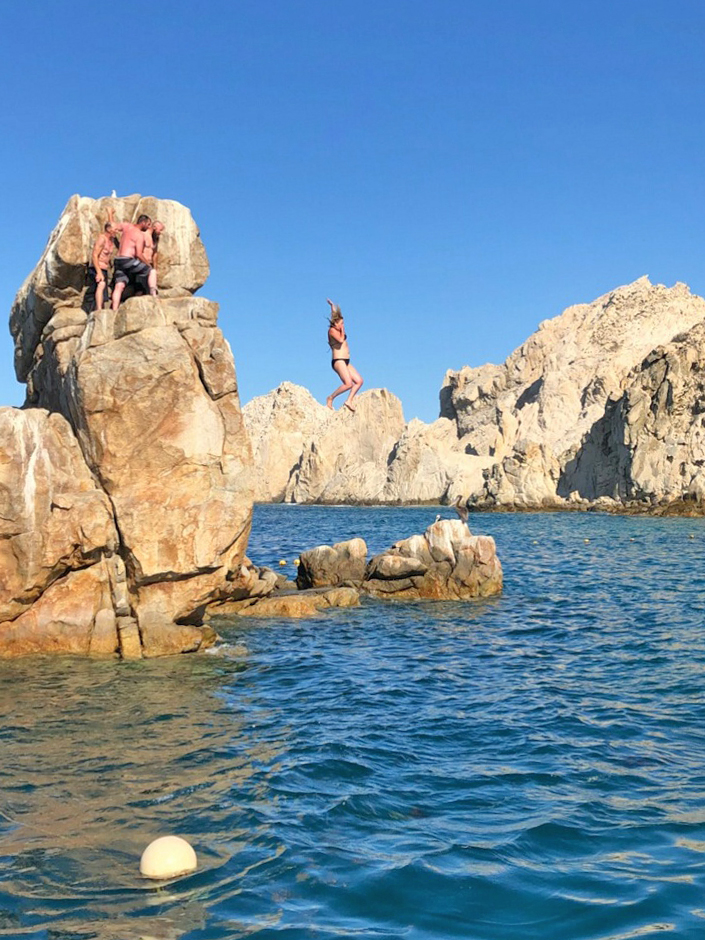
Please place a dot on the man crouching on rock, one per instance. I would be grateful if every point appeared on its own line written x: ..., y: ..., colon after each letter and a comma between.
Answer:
x: 131, y: 265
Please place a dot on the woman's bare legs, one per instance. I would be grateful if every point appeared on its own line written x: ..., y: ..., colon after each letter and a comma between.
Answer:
x: 344, y: 372
x: 357, y: 382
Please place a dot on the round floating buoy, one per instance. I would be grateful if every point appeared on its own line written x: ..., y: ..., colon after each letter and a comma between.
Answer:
x: 296, y: 562
x: 586, y: 540
x: 281, y: 562
x: 168, y: 857
x: 535, y: 542
x: 691, y: 536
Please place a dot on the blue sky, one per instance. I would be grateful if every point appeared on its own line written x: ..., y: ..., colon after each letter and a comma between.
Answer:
x: 452, y: 172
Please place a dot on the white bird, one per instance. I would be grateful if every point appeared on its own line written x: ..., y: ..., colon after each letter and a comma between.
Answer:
x: 437, y: 517
x: 113, y: 195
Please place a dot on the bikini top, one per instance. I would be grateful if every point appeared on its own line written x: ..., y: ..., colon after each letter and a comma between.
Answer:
x: 337, y: 342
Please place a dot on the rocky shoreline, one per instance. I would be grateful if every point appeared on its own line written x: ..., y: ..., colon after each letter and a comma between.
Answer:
x: 602, y: 408
x: 128, y: 478
x: 446, y: 563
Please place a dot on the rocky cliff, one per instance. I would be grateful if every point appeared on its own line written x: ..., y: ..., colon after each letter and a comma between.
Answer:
x: 126, y: 480
x: 559, y: 424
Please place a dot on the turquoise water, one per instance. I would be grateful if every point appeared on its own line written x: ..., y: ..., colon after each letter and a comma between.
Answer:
x: 527, y: 767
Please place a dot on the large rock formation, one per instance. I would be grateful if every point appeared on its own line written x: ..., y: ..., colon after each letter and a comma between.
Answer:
x: 306, y: 453
x: 649, y: 445
x: 542, y: 430
x: 533, y: 413
x: 131, y: 469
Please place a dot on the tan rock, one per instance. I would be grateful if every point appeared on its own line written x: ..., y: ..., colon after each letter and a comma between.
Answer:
x: 62, y: 619
x: 324, y: 565
x: 300, y: 604
x: 53, y: 517
x: 146, y: 439
x: 446, y: 563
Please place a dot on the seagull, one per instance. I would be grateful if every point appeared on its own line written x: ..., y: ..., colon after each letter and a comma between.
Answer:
x: 461, y: 507
x: 113, y: 195
x: 437, y: 519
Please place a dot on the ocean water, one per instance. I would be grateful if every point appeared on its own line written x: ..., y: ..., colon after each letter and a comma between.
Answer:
x: 531, y: 766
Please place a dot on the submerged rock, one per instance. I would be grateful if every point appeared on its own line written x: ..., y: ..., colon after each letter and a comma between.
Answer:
x: 295, y: 605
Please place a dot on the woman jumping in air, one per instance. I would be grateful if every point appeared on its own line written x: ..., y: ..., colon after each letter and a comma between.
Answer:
x: 340, y: 362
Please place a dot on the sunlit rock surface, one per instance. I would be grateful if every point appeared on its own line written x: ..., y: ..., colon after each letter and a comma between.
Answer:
x: 144, y: 401
x: 536, y: 432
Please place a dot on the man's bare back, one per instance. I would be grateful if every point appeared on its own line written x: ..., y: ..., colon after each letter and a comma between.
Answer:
x: 132, y: 241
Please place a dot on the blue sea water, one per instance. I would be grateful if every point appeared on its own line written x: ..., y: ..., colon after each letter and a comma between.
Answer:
x: 531, y: 766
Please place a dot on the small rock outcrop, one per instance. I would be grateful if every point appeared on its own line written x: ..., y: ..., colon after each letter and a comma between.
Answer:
x: 339, y: 564
x: 445, y: 563
x: 129, y: 469
x: 261, y: 592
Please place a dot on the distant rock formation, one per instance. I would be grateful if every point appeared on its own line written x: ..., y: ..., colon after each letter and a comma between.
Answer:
x: 648, y: 447
x: 126, y: 482
x: 558, y: 425
x: 306, y: 453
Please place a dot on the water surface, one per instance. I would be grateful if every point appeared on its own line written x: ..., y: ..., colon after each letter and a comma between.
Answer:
x: 531, y: 766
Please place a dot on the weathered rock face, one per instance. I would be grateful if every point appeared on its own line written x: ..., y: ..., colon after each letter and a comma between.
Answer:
x: 146, y: 400
x: 342, y: 563
x: 445, y: 563
x: 305, y: 453
x: 649, y: 446
x: 538, y: 431
x: 57, y: 534
x: 532, y: 414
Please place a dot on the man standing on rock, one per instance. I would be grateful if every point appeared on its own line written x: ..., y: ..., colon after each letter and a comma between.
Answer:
x: 131, y: 264
x: 100, y: 261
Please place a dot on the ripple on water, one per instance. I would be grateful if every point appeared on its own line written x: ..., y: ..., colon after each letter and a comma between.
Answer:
x: 526, y: 767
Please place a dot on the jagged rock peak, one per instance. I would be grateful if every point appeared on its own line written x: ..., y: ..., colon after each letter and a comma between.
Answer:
x: 58, y: 279
x: 152, y: 465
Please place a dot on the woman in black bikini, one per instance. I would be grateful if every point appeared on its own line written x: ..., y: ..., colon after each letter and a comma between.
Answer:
x: 349, y: 376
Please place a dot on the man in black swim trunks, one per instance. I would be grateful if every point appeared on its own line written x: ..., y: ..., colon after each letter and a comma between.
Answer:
x: 131, y: 265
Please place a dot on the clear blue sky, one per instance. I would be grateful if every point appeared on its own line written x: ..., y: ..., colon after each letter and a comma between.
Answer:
x: 450, y: 171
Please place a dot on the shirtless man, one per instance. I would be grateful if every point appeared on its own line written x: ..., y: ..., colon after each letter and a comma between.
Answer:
x: 100, y: 260
x: 151, y: 252
x: 131, y: 264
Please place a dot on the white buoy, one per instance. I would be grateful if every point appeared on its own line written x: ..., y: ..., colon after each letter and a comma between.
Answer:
x: 168, y: 857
